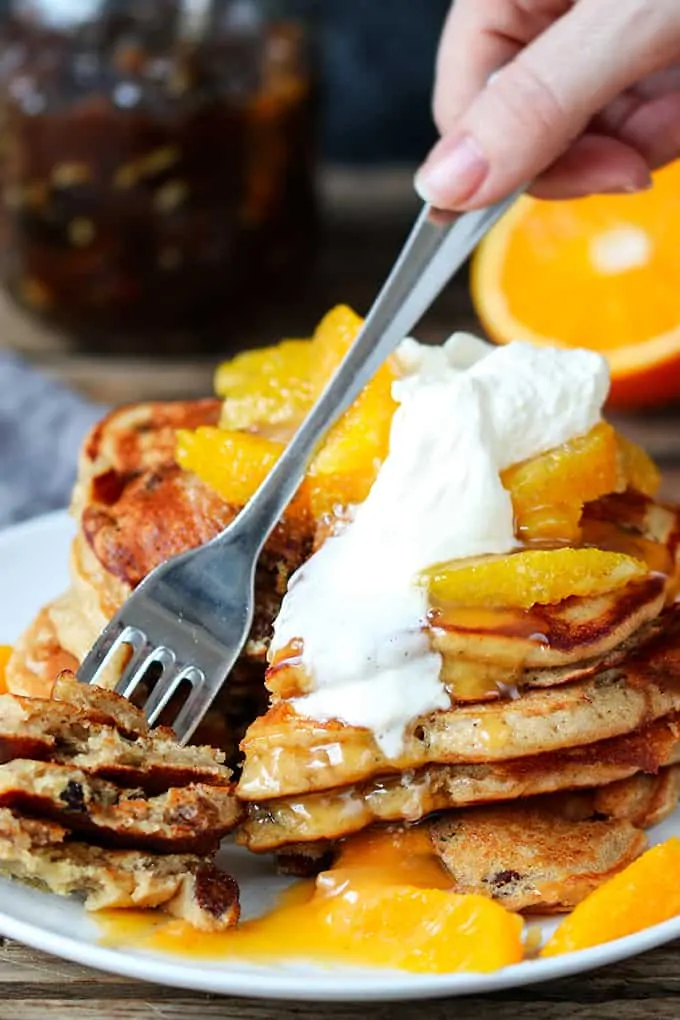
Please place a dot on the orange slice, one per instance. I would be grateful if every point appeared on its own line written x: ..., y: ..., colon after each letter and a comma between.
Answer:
x: 531, y: 577
x: 267, y: 387
x: 600, y: 272
x: 268, y: 392
x: 234, y: 464
x: 645, y: 893
x: 5, y: 652
x: 548, y: 491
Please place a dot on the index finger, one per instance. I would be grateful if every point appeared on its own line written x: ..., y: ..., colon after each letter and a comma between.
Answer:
x: 479, y: 36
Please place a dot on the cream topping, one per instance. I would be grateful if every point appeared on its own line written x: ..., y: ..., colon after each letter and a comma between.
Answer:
x: 466, y: 412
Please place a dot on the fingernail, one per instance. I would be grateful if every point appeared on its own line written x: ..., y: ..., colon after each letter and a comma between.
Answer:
x: 629, y: 188
x: 452, y: 174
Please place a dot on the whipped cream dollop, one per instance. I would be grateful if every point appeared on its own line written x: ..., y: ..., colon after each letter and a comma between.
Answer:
x: 466, y: 411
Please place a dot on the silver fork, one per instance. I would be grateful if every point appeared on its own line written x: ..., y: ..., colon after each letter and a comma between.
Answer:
x: 190, y: 618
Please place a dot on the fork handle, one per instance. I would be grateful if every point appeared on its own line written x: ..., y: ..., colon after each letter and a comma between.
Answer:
x: 436, y: 248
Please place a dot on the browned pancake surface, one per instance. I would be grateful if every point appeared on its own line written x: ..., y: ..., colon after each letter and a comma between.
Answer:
x: 531, y: 857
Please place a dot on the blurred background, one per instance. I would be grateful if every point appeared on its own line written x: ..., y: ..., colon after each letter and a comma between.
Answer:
x: 182, y: 178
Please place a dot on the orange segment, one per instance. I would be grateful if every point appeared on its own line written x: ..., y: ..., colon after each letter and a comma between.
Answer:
x: 640, y: 471
x: 270, y: 391
x: 332, y: 338
x: 347, y: 465
x: 548, y: 491
x: 646, y: 892
x: 599, y: 272
x: 233, y: 463
x: 5, y: 652
x: 534, y: 576
x: 268, y: 387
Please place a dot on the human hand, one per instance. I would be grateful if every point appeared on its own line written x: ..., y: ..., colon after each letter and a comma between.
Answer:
x: 584, y: 97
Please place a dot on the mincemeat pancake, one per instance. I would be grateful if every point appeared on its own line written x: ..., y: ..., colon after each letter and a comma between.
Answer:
x: 533, y: 857
x: 552, y: 644
x: 287, y: 754
x: 411, y: 796
x: 561, y: 826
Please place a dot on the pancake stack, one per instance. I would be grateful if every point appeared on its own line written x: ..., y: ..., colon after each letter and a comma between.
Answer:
x: 134, y: 507
x: 592, y: 706
x: 561, y: 739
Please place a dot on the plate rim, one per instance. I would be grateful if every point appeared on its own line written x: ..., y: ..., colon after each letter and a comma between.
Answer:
x: 327, y: 984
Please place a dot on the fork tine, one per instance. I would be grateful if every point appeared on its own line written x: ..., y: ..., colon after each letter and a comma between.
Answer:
x: 195, y: 707
x: 166, y: 687
x: 101, y: 657
x: 132, y: 677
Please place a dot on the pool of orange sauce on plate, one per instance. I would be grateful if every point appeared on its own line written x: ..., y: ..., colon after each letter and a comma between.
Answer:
x: 385, y: 903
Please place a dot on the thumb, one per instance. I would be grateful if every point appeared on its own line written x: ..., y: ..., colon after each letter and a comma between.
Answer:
x: 532, y: 110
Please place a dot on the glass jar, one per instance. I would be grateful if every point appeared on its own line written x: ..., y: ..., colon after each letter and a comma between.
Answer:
x: 156, y: 166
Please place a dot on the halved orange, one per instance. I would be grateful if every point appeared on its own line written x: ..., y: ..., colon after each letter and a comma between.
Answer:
x: 599, y: 272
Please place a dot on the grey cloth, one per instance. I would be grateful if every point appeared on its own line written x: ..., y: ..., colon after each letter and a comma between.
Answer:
x: 41, y: 427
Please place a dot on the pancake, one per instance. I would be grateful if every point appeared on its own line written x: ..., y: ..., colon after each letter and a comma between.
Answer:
x: 37, y: 658
x: 644, y: 800
x: 533, y: 857
x: 138, y: 437
x: 412, y: 796
x: 187, y: 886
x: 288, y: 754
x: 137, y: 507
x: 187, y: 819
x: 485, y: 651
x: 585, y: 633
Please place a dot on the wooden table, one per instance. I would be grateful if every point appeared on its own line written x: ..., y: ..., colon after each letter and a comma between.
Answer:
x: 367, y: 216
x: 38, y: 987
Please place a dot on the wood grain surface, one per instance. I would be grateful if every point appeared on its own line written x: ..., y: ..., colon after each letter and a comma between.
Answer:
x: 38, y: 987
x: 354, y: 259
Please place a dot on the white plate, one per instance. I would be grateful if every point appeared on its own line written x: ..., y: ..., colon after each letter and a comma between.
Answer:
x: 32, y: 570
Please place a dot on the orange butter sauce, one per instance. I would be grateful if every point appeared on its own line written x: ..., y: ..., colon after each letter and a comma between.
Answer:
x: 385, y: 903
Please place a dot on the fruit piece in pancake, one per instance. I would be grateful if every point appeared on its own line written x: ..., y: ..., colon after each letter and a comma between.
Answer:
x: 412, y: 795
x: 287, y: 754
x: 530, y: 857
x: 184, y: 885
